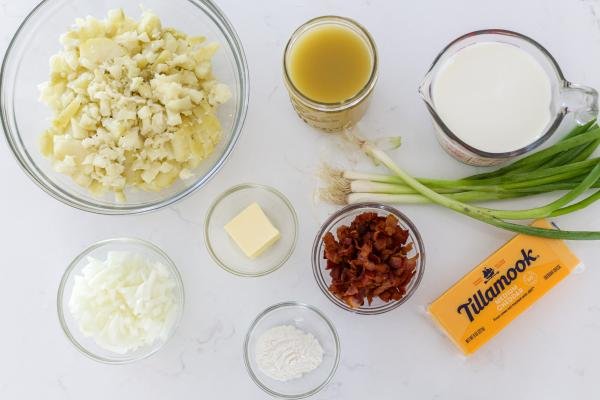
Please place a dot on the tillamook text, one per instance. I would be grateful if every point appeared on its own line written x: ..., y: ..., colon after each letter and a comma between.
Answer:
x: 479, y: 300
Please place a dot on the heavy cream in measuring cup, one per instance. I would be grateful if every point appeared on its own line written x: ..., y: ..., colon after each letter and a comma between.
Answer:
x: 493, y: 96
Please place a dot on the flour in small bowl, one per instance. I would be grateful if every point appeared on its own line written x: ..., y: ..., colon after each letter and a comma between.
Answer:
x: 286, y: 352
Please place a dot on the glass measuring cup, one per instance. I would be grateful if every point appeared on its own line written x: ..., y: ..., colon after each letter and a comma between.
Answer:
x: 566, y: 97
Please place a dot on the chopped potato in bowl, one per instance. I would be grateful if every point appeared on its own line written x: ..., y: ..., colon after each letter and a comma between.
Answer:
x: 134, y: 103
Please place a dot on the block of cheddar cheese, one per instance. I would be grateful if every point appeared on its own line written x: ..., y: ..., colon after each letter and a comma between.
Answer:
x: 500, y: 288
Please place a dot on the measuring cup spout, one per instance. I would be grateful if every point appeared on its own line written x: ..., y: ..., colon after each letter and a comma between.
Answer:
x: 425, y: 88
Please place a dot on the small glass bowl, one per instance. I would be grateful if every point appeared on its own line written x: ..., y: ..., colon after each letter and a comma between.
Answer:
x: 87, y: 345
x: 223, y: 249
x: 308, y: 319
x: 344, y: 217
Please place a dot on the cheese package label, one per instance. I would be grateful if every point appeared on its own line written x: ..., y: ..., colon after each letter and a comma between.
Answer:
x: 504, y: 285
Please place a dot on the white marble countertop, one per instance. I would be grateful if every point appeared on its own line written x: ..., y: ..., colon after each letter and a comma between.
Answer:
x: 550, y: 352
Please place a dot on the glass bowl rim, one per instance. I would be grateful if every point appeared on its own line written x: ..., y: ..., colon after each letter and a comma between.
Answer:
x: 226, y: 194
x: 344, y: 212
x: 40, y: 178
x: 73, y: 264
x: 269, y: 310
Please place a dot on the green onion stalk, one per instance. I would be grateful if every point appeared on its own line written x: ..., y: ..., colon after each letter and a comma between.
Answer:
x: 495, y: 217
x: 565, y: 166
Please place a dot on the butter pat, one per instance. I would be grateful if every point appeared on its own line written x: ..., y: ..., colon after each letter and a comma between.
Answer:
x: 499, y: 289
x: 252, y: 231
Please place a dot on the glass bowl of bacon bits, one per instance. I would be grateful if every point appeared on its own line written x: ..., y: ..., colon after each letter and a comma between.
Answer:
x: 368, y: 258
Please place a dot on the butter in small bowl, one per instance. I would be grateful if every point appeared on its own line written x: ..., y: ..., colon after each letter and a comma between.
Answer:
x: 251, y: 240
x: 252, y: 231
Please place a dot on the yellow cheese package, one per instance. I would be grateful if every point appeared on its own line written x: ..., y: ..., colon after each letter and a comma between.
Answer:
x: 504, y: 285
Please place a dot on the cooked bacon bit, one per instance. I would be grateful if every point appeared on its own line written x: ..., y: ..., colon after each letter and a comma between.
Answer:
x: 369, y: 259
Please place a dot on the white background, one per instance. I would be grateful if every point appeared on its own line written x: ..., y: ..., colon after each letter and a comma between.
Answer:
x: 550, y: 352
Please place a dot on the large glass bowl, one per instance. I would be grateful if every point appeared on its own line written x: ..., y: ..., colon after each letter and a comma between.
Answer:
x: 345, y: 216
x: 87, y: 345
x: 26, y: 65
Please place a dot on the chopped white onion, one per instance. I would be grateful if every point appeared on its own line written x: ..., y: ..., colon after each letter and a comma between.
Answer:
x: 125, y: 302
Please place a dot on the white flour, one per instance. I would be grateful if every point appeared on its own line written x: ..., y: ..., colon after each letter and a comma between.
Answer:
x: 285, y: 352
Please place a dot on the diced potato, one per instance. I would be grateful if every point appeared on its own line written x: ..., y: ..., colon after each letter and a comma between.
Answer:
x: 115, y: 18
x: 97, y: 50
x: 64, y: 118
x: 87, y: 122
x: 205, y: 53
x: 47, y: 143
x: 90, y: 27
x: 182, y: 142
x: 196, y: 40
x: 64, y: 145
x: 159, y: 122
x: 51, y: 93
x: 130, y: 141
x: 144, y: 90
x: 195, y: 95
x: 143, y: 37
x: 59, y: 66
x: 185, y: 174
x: 150, y: 173
x: 81, y: 83
x: 97, y: 188
x: 125, y: 114
x: 144, y: 113
x: 67, y: 166
x: 134, y: 103
x: 173, y: 118
x: 170, y: 42
x: 77, y: 130
x: 165, y: 179
x: 115, y: 71
x: 202, y: 69
x: 67, y: 97
x: 179, y: 105
x: 130, y: 41
x: 72, y: 59
x: 69, y: 39
x: 219, y: 94
x: 182, y: 60
x: 82, y: 179
x: 149, y: 23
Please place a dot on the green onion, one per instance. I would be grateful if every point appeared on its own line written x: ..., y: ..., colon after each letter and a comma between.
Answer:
x: 548, y: 209
x: 577, y: 206
x: 545, y: 155
x: 485, y: 215
x: 565, y: 166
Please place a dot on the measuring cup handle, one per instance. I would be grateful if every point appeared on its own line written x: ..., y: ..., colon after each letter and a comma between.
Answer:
x: 581, y: 100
